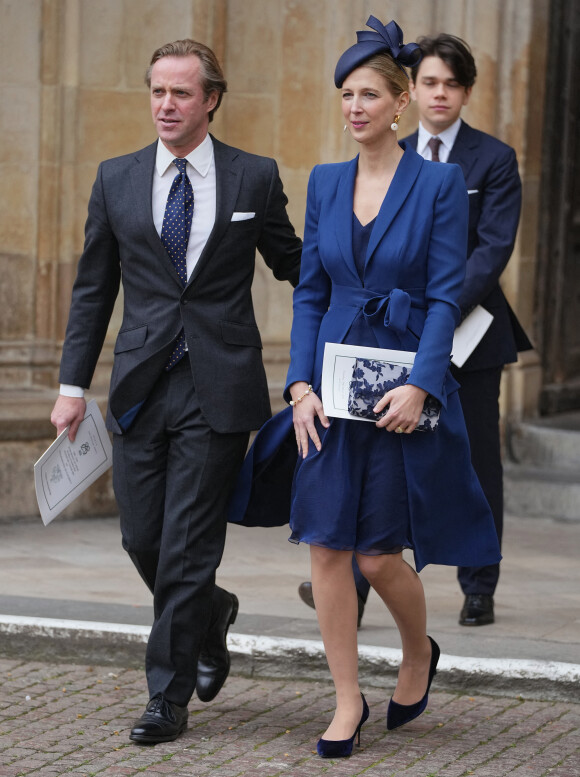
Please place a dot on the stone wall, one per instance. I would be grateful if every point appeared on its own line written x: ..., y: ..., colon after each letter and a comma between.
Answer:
x: 71, y: 80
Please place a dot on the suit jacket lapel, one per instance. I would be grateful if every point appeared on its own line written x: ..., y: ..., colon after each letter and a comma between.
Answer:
x: 412, y: 140
x: 142, y: 180
x: 464, y: 151
x: 228, y: 173
x: 401, y: 185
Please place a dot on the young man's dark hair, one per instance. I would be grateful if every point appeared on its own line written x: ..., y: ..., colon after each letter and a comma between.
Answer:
x: 454, y: 52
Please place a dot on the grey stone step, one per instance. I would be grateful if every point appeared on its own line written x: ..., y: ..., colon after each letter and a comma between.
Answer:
x: 538, y: 492
x: 552, y: 443
x: 542, y: 468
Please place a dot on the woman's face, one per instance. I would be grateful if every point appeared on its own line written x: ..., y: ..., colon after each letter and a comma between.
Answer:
x: 369, y: 107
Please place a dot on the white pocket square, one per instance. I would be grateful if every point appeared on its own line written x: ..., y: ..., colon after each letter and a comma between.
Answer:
x: 240, y: 216
x: 473, y: 191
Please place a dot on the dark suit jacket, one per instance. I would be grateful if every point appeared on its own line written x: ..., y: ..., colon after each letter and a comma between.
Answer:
x: 491, y: 175
x: 215, y: 308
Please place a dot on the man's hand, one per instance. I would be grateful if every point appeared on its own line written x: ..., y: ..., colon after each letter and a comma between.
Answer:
x: 68, y: 411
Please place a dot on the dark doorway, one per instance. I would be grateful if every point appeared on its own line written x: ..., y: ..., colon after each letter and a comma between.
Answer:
x: 558, y: 282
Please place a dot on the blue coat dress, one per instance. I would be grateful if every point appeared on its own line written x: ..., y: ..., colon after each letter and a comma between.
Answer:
x: 413, y: 274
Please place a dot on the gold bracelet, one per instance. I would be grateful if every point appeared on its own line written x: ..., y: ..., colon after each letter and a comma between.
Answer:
x: 301, y: 397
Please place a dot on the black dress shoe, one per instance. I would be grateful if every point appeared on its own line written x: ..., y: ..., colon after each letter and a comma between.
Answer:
x: 162, y: 721
x: 477, y: 610
x: 213, y: 665
x: 305, y: 593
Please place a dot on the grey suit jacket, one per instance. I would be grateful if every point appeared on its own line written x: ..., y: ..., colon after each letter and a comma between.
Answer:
x: 215, y: 308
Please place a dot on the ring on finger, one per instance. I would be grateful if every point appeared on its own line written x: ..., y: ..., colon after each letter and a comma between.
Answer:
x: 399, y: 430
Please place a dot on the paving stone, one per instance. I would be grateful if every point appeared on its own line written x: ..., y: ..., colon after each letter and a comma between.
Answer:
x: 268, y: 728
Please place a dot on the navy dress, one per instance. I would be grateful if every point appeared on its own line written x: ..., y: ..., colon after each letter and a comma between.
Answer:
x: 367, y: 507
x: 368, y: 489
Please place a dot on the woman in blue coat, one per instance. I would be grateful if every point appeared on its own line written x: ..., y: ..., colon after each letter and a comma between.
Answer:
x: 383, y: 264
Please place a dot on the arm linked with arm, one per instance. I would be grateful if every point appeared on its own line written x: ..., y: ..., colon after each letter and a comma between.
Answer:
x: 278, y: 243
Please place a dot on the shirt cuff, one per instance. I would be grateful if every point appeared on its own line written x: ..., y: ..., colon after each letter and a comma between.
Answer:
x: 71, y: 391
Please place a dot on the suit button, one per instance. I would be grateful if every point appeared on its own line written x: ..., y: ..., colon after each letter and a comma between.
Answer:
x: 184, y: 301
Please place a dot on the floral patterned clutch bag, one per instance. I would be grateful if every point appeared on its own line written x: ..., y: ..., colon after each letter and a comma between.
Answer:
x: 371, y: 379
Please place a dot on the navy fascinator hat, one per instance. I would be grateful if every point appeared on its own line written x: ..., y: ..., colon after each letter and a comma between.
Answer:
x: 385, y: 39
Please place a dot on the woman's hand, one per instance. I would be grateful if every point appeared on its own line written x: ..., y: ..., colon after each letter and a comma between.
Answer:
x: 405, y: 406
x: 304, y: 413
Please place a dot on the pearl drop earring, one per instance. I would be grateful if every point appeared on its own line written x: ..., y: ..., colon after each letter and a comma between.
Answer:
x: 395, y: 124
x: 344, y: 129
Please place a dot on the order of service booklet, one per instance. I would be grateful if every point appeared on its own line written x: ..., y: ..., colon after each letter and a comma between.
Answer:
x: 339, y: 361
x: 338, y: 364
x: 469, y: 333
x: 66, y: 468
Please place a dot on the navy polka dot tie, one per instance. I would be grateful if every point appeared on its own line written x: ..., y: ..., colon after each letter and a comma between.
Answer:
x: 175, y: 236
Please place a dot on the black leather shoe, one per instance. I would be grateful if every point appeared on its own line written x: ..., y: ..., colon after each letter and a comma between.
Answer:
x: 477, y: 610
x: 162, y: 721
x: 305, y: 593
x: 213, y: 665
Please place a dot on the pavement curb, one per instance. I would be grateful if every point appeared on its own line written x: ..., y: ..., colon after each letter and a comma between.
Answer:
x: 54, y: 639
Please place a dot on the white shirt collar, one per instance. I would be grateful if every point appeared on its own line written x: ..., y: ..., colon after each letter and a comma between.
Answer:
x: 200, y: 158
x: 447, y: 137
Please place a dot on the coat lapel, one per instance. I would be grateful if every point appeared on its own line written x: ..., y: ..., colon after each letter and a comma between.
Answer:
x: 142, y: 181
x: 402, y: 183
x: 344, y: 212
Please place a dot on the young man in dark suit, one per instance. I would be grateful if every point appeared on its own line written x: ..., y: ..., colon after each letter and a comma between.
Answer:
x: 178, y: 223
x: 441, y: 85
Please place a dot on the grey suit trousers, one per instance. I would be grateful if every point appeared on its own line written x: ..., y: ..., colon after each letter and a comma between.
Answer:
x: 172, y: 477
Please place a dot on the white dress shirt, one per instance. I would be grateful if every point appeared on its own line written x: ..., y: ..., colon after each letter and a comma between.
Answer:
x: 447, y: 138
x: 200, y: 169
x: 201, y: 172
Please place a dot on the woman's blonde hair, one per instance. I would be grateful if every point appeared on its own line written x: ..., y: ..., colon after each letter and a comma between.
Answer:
x: 393, y: 74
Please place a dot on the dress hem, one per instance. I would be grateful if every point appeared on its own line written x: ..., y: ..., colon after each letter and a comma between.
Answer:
x: 367, y: 552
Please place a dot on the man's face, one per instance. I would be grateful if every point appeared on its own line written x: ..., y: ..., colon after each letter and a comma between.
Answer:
x: 178, y: 105
x: 438, y: 95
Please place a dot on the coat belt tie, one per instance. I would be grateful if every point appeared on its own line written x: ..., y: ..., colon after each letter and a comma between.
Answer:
x: 395, y: 306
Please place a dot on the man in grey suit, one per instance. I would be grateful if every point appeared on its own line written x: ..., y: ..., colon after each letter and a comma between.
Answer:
x: 178, y: 223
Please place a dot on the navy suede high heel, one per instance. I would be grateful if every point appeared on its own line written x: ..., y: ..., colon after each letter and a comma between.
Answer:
x: 342, y: 748
x: 399, y: 714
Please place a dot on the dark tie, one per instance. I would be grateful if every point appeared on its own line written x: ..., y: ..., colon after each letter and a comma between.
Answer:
x: 434, y: 144
x: 175, y: 236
